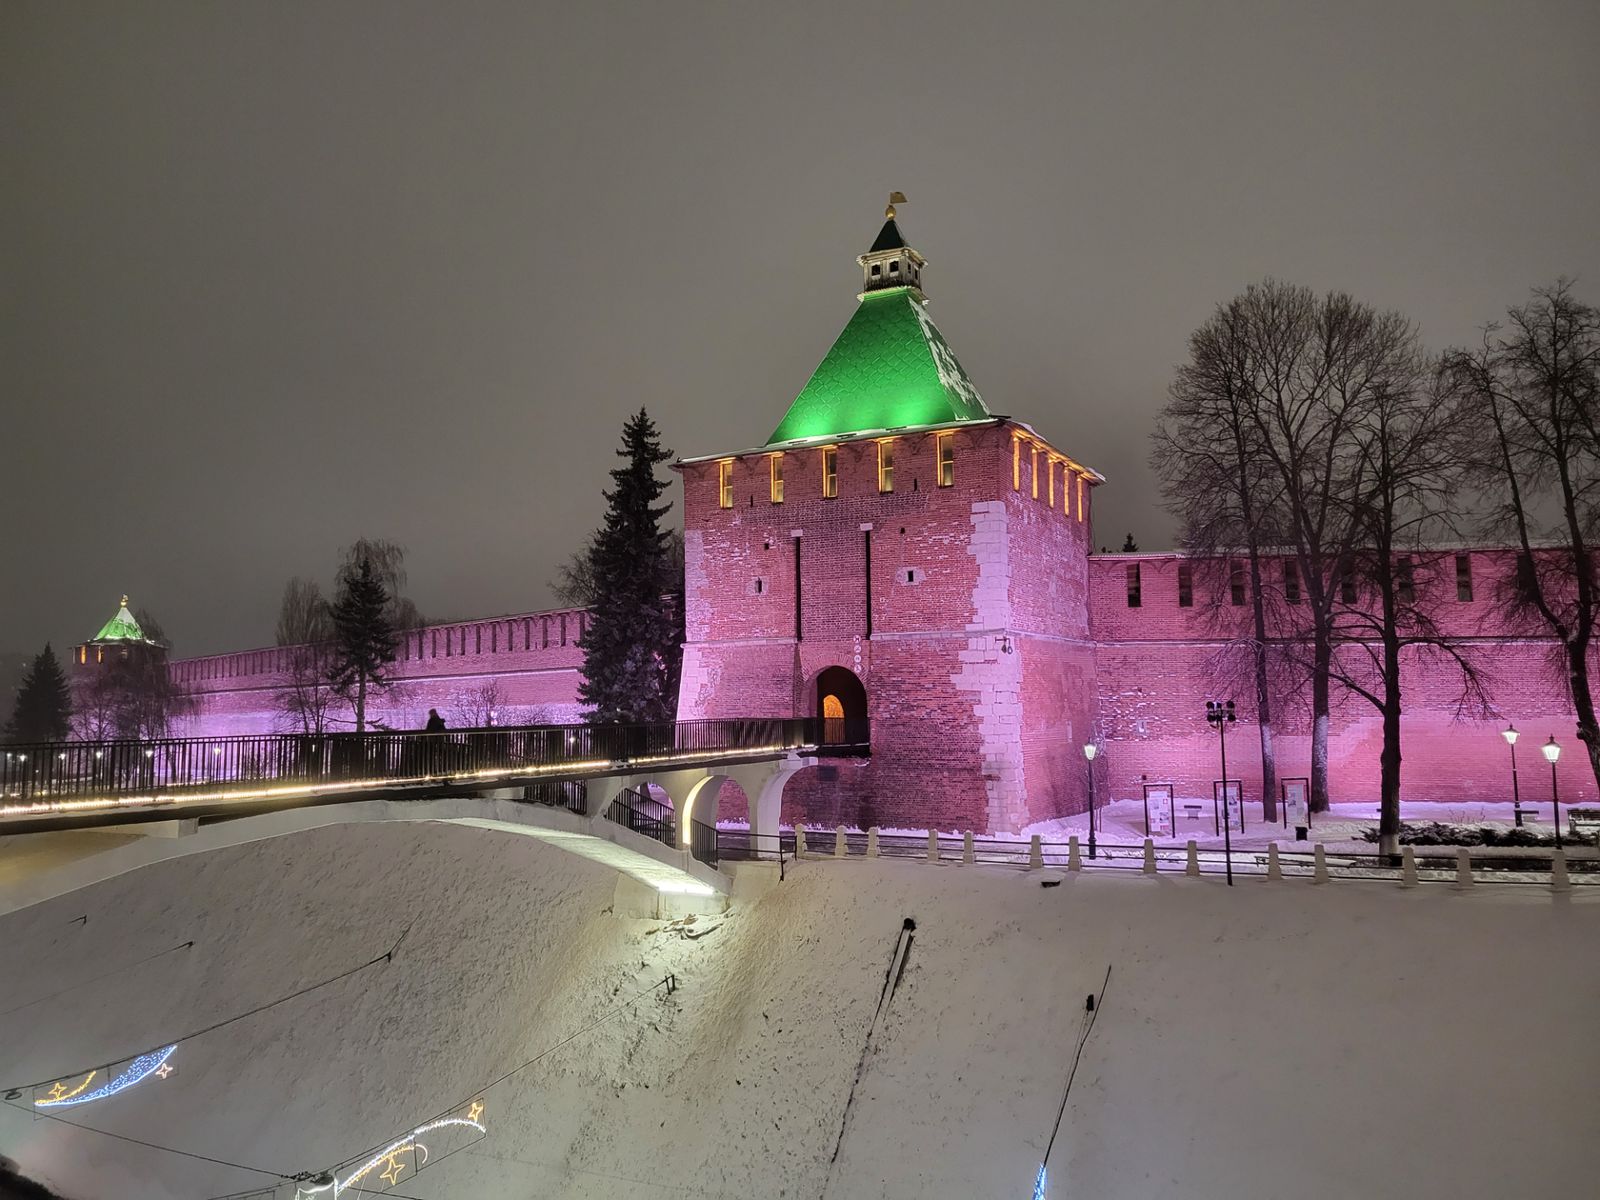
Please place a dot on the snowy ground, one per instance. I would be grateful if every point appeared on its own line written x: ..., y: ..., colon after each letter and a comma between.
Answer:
x: 1265, y: 1041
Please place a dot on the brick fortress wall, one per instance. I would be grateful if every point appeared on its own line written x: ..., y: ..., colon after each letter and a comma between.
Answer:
x: 524, y: 667
x: 1158, y: 663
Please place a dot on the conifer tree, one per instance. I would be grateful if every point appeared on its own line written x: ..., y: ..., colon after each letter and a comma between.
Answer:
x: 633, y: 646
x: 44, y: 703
x: 363, y: 634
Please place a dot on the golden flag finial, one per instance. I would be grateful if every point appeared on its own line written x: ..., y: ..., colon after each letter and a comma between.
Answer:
x: 124, y: 599
x: 894, y: 198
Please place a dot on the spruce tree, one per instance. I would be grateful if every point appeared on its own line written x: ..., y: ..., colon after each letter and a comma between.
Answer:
x: 364, y: 642
x: 633, y: 646
x: 44, y: 703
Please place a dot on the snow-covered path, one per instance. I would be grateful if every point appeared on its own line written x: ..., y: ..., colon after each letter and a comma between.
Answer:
x: 1272, y: 1040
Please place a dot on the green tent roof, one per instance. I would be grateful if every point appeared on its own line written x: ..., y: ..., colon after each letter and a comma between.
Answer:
x: 890, y: 369
x: 121, y: 628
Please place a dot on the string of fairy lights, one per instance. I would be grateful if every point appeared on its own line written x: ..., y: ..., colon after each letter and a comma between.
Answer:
x: 402, y: 1157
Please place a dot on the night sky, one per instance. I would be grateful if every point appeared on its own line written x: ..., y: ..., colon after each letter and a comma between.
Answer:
x: 274, y: 276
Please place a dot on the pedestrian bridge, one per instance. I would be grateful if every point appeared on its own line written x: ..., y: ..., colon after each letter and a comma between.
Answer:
x: 639, y: 798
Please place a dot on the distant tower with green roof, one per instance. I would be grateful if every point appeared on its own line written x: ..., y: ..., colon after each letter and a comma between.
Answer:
x: 909, y: 567
x: 120, y: 639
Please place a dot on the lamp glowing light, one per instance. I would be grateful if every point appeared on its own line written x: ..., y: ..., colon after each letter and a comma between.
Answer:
x: 1090, y: 750
x: 1510, y: 735
x: 1551, y: 750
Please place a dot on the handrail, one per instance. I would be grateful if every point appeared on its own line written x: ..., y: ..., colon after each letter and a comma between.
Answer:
x: 36, y: 776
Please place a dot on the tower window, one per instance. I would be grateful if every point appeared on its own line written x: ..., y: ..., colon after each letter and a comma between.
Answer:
x: 1464, y: 577
x: 1185, y: 585
x: 1405, y: 583
x: 1347, y: 580
x: 885, y: 467
x: 945, y: 444
x: 725, y: 483
x: 777, y: 478
x: 894, y: 267
x: 1291, y: 581
x: 830, y: 472
x: 1235, y: 584
x: 877, y: 269
x: 1135, y: 591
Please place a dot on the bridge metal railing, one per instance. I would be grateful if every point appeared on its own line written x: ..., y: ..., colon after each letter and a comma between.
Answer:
x: 634, y: 809
x: 46, y: 775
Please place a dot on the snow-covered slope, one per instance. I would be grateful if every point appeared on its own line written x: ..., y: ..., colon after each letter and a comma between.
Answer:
x: 1272, y: 1040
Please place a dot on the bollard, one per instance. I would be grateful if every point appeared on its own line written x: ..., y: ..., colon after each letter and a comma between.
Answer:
x: 799, y: 841
x: 872, y: 842
x: 966, y: 848
x: 1408, y: 867
x: 933, y: 845
x: 1193, y: 865
x: 1074, y: 859
x: 1149, y: 857
x: 840, y: 846
x: 1558, y: 871
x: 1274, y: 871
x: 1463, y: 867
x: 1035, y: 854
x: 1319, y: 872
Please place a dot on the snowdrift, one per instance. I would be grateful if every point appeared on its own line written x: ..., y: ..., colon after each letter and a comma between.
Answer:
x: 1269, y: 1040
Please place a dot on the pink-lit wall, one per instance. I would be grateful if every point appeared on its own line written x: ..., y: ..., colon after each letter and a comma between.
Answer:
x: 1158, y: 663
x: 524, y: 667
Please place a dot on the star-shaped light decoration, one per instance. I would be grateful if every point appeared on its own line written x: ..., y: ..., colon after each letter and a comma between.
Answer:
x: 164, y: 1070
x: 57, y: 1091
x: 475, y: 1111
x: 392, y: 1172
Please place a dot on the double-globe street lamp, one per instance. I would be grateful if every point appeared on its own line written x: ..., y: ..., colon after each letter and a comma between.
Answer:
x: 1552, y: 751
x: 1219, y: 715
x: 1089, y: 751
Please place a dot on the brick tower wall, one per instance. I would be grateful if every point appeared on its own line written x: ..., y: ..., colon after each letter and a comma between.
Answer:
x: 977, y: 596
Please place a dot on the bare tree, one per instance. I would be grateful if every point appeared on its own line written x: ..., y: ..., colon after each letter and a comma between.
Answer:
x: 305, y: 631
x: 479, y: 705
x: 1215, y: 481
x: 1531, y: 436
x: 1411, y: 479
x: 1317, y: 366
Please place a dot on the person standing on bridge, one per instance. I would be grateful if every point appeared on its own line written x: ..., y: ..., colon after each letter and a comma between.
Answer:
x: 434, y: 752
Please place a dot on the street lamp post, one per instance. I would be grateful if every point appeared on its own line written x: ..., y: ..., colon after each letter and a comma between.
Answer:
x: 1552, y: 751
x: 1220, y: 714
x: 1089, y: 751
x: 1510, y: 735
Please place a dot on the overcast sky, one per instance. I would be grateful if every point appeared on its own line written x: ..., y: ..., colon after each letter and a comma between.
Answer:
x: 274, y: 276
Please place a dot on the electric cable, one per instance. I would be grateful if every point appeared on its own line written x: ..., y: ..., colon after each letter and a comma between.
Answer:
x: 122, y: 1137
x: 387, y: 956
x: 98, y: 978
x: 1073, y: 1074
x: 549, y: 1050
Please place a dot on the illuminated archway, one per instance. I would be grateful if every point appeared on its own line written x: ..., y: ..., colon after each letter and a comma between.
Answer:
x: 841, y: 706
